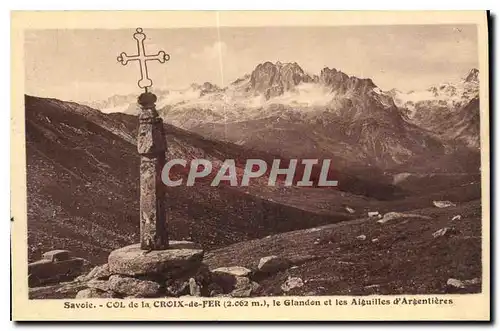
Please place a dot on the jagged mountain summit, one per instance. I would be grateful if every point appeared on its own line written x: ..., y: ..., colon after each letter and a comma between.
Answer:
x: 269, y: 84
x: 273, y: 80
x: 282, y: 108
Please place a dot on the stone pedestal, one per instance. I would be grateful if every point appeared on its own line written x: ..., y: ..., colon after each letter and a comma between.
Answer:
x: 133, y: 272
x: 133, y: 261
x: 174, y: 272
x: 151, y: 145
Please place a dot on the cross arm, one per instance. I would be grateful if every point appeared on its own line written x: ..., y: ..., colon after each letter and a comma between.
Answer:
x: 161, y: 56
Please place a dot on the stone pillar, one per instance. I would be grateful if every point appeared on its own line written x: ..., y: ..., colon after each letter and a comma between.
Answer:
x: 151, y: 145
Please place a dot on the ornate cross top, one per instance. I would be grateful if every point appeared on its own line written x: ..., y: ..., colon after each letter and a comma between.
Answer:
x: 141, y: 56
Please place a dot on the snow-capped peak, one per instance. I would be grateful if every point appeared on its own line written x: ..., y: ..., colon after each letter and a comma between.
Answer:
x: 449, y: 94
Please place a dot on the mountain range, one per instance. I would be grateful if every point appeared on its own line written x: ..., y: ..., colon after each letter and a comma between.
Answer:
x: 281, y: 109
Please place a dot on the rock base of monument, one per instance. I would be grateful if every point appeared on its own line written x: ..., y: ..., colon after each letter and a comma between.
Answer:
x: 135, y: 273
x: 133, y: 261
x: 174, y: 272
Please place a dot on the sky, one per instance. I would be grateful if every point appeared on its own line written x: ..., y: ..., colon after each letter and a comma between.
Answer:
x: 81, y: 65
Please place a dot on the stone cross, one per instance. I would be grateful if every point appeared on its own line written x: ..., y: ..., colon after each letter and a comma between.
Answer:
x: 151, y: 145
x: 141, y: 56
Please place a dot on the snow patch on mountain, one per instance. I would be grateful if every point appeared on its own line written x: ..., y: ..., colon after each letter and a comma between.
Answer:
x: 448, y: 94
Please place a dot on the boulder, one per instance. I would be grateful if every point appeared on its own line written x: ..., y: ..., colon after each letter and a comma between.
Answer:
x: 243, y: 288
x: 132, y: 260
x: 99, y: 272
x: 134, y: 287
x: 177, y: 287
x: 454, y: 283
x: 202, y: 275
x: 102, y: 285
x: 350, y: 210
x: 235, y: 271
x: 226, y: 277
x: 194, y: 288
x: 443, y: 232
x: 224, y: 282
x: 214, y: 290
x: 291, y: 283
x: 93, y: 293
x: 273, y: 263
x: 443, y: 204
x: 395, y: 215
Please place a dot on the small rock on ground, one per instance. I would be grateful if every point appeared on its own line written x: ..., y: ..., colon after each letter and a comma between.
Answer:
x: 459, y: 284
x: 291, y: 283
x: 234, y: 271
x: 177, y: 287
x: 350, y: 210
x: 395, y: 215
x: 443, y: 204
x: 273, y: 263
x: 194, y: 288
x: 443, y: 232
x: 244, y: 287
